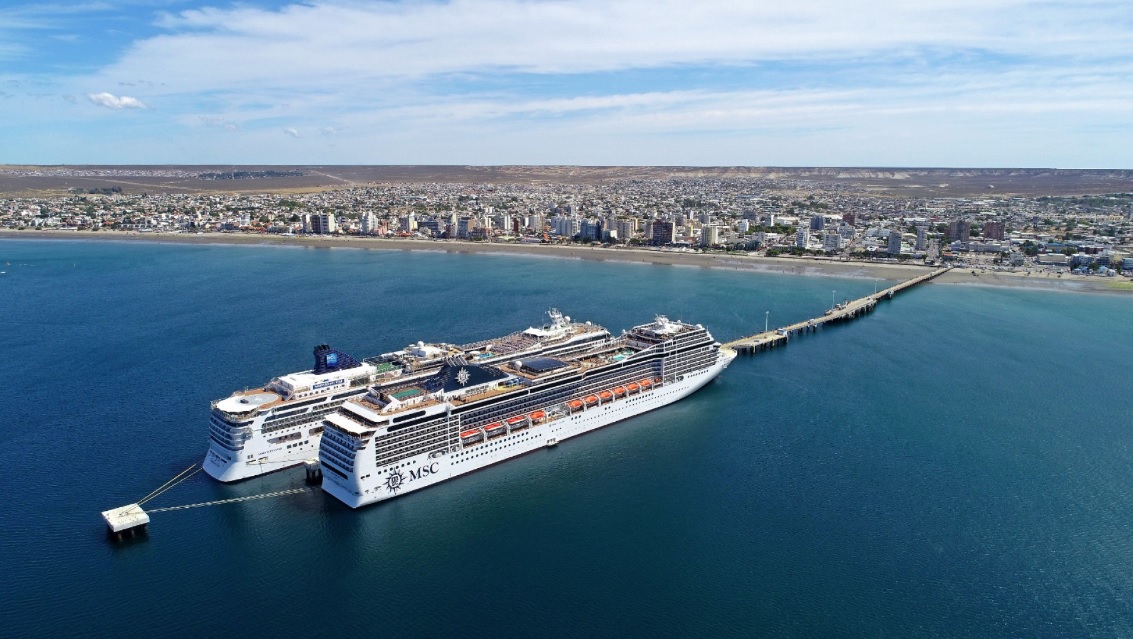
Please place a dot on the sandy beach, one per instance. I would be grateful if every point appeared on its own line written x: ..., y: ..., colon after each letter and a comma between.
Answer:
x: 808, y: 266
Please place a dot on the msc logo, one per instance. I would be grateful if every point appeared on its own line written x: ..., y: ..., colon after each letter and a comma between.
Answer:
x: 424, y: 471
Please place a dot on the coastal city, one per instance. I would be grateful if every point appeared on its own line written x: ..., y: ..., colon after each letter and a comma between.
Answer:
x: 1087, y: 235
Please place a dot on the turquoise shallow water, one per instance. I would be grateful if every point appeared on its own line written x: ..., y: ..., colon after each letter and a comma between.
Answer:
x: 957, y: 464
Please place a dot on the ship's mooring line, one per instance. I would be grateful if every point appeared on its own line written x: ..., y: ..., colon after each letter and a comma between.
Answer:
x: 277, y: 493
x: 177, y: 479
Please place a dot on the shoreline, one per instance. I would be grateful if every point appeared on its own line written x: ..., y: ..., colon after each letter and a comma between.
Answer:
x: 806, y: 266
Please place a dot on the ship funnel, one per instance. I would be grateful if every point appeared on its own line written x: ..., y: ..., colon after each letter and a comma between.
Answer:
x: 328, y: 359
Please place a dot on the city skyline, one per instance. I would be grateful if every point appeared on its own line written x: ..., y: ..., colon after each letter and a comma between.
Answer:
x: 992, y: 84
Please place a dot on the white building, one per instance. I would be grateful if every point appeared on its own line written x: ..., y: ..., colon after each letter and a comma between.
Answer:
x: 369, y: 223
x: 710, y: 235
x: 320, y: 223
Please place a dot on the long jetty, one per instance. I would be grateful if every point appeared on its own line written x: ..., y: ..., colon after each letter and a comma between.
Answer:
x: 841, y: 313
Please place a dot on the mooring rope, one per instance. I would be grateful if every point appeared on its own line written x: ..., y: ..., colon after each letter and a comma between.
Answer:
x: 277, y: 493
x: 177, y: 479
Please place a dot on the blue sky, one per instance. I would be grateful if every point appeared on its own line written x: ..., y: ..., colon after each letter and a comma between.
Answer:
x: 804, y: 83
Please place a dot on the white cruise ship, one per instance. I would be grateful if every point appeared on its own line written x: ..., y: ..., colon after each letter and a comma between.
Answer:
x: 408, y: 434
x: 263, y: 430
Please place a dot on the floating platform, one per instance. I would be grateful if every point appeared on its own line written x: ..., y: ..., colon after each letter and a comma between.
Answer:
x: 126, y: 520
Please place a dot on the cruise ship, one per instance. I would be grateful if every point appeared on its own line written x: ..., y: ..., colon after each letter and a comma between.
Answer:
x: 407, y: 434
x: 262, y: 430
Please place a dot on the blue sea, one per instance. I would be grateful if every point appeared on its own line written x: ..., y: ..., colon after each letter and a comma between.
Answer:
x: 958, y: 463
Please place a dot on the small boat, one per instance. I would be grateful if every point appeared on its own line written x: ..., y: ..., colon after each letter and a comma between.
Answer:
x: 537, y: 415
x: 606, y: 395
x: 646, y: 383
x: 494, y: 426
x: 591, y: 399
x: 575, y: 404
x: 517, y: 420
x: 633, y: 387
x: 620, y: 391
x: 470, y: 433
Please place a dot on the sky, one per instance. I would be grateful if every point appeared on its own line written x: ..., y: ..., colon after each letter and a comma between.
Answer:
x: 914, y: 83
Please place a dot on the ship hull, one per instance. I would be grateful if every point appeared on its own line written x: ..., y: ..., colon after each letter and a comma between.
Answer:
x: 423, y: 470
x: 229, y: 466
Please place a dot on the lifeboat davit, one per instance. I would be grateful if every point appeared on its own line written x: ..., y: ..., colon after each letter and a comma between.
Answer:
x: 606, y: 396
x: 538, y: 415
x: 575, y: 404
x: 592, y: 399
x: 620, y: 391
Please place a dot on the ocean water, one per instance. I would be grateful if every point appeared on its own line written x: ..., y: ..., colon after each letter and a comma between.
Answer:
x: 959, y: 463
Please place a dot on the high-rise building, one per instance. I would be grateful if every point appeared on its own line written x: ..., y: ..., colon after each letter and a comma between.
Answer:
x: 626, y: 228
x: 959, y: 230
x: 663, y: 233
x: 994, y: 230
x: 831, y: 241
x: 368, y: 223
x: 802, y: 237
x: 320, y: 223
x: 535, y: 222
x: 565, y: 226
x: 464, y: 227
x: 817, y: 223
x: 430, y: 226
x: 894, y: 247
x: 709, y: 235
x: 922, y: 238
x: 591, y: 230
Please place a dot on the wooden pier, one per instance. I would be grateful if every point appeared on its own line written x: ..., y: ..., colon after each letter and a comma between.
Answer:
x: 841, y: 313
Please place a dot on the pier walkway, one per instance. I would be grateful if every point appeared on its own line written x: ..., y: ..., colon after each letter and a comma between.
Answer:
x: 841, y: 313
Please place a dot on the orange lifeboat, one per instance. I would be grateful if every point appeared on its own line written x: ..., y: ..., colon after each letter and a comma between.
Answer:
x: 575, y: 404
x: 538, y: 415
x: 493, y: 426
x: 633, y: 388
x: 470, y: 433
x: 591, y: 399
x: 646, y: 383
x: 620, y: 391
x: 512, y: 421
x: 606, y: 395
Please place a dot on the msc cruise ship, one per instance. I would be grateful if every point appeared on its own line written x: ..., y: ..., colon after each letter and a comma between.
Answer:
x: 407, y: 433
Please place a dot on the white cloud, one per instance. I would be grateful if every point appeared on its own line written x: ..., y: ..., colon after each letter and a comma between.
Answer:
x: 439, y: 81
x: 112, y: 101
x: 327, y: 42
